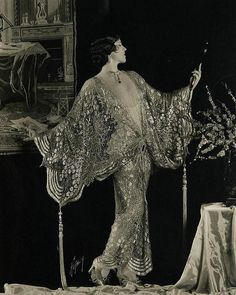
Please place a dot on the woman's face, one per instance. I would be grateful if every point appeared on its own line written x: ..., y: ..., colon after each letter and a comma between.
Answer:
x: 119, y: 54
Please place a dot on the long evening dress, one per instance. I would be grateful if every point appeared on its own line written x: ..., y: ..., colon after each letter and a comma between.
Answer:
x: 98, y: 138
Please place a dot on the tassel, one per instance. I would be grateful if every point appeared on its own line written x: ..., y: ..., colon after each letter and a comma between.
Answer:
x: 61, y: 251
x: 185, y: 209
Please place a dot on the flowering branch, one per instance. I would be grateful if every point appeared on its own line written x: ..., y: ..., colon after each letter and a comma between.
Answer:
x: 218, y: 133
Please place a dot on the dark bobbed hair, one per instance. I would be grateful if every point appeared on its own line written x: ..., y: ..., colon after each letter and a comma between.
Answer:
x: 101, y: 48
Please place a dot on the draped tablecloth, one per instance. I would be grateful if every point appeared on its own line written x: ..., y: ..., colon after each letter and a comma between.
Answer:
x: 211, y: 265
x: 19, y: 63
x: 210, y: 268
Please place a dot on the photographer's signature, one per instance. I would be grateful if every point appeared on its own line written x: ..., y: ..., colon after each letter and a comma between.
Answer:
x: 76, y: 262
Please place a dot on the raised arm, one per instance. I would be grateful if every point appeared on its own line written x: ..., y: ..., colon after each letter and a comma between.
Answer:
x: 169, y: 121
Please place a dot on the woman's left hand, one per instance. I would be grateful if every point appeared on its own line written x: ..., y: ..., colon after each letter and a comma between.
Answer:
x: 196, y: 76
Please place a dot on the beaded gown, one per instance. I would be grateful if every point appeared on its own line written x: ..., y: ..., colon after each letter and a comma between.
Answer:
x: 100, y: 137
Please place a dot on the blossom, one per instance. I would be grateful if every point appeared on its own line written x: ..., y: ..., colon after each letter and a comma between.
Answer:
x: 217, y: 132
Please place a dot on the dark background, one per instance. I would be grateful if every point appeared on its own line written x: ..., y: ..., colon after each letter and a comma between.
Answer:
x: 165, y: 41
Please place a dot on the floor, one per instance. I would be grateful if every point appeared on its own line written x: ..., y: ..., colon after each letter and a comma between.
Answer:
x: 18, y: 289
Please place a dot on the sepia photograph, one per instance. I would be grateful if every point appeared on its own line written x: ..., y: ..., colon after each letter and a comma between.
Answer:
x: 117, y: 147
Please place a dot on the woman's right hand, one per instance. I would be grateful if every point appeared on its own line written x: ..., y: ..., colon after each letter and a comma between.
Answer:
x: 31, y: 135
x: 30, y: 127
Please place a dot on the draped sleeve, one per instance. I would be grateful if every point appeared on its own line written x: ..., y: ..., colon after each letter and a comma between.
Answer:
x: 76, y: 151
x: 168, y: 123
x: 96, y: 138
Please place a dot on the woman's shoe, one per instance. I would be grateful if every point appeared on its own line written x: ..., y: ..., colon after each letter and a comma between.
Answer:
x: 126, y: 276
x: 99, y: 273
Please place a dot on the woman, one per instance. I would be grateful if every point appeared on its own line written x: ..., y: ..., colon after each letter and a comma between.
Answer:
x: 118, y: 125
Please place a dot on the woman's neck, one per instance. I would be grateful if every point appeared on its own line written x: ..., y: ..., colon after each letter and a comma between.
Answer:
x: 110, y: 67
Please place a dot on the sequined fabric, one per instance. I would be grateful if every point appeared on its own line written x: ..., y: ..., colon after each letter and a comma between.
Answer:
x: 129, y: 243
x: 99, y: 138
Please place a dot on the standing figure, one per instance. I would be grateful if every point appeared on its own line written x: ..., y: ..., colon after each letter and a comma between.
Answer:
x: 118, y: 126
